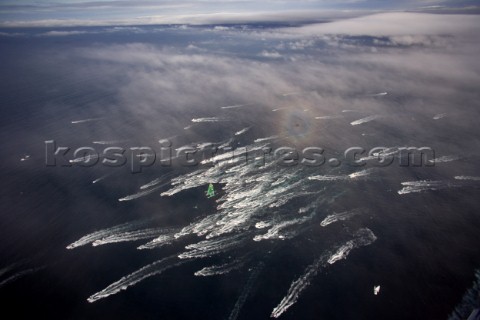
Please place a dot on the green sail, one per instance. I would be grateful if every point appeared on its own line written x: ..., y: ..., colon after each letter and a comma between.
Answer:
x: 210, y: 192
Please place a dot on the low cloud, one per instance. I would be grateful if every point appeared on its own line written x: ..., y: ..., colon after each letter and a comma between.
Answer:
x: 62, y: 33
x: 423, y: 74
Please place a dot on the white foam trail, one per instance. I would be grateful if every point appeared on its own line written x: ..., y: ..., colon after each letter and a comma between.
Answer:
x: 143, y: 193
x: 445, y: 159
x: 265, y: 139
x: 290, y: 94
x: 233, y: 156
x: 307, y: 207
x: 7, y: 269
x: 129, y: 236
x: 150, y: 270
x: 381, y: 94
x: 342, y: 216
x: 242, y: 131
x: 365, y: 120
x: 86, y: 120
x: 419, y: 186
x: 381, y: 154
x: 209, y: 119
x: 167, y: 237
x: 85, y: 159
x: 327, y: 178
x: 203, y: 145
x: 191, y: 180
x: 427, y: 185
x: 245, y: 292
x: 262, y: 225
x: 328, y: 117
x: 101, y: 178
x: 201, y: 227
x: 166, y: 140
x: 106, y: 142
x: 362, y: 237
x: 278, y: 109
x: 359, y: 174
x: 208, y: 248
x: 439, y: 116
x: 220, y: 269
x: 355, y: 175
x: 17, y: 276
x: 151, y: 184
x: 341, y: 253
x: 467, y: 178
x: 237, y: 106
x: 139, y: 194
x: 299, y: 285
x: 100, y: 234
x: 225, y: 144
x: 155, y: 181
x: 275, y: 232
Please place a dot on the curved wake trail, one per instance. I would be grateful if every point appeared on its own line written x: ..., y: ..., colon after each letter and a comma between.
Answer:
x: 432, y: 185
x: 86, y: 120
x: 245, y: 292
x: 130, y: 236
x: 104, y: 233
x: 209, y: 119
x: 101, y: 178
x: 150, y: 270
x: 221, y: 269
x: 328, y: 117
x: 143, y: 193
x: 85, y: 159
x: 365, y: 120
x: 109, y: 142
x: 242, y: 131
x: 439, y: 116
x: 237, y: 106
x: 381, y: 94
x: 167, y: 237
x: 299, y: 285
x: 150, y: 184
x: 362, y: 237
x: 351, y: 176
x: 265, y: 139
x: 445, y: 159
x: 467, y: 178
x: 419, y: 186
x: 17, y: 275
x: 342, y: 216
x: 7, y: 269
x: 208, y: 248
x: 277, y: 231
x: 156, y: 181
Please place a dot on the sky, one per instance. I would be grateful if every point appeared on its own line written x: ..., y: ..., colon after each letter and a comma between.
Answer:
x: 32, y: 13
